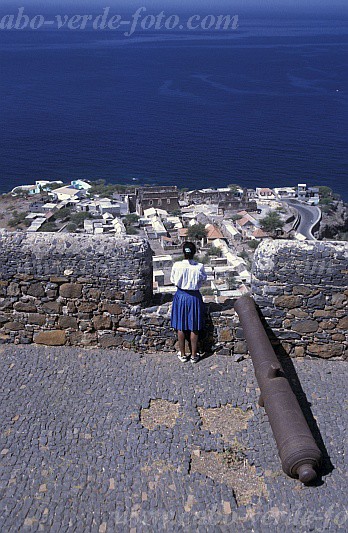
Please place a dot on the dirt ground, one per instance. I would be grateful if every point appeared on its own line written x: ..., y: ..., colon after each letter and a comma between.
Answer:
x: 9, y: 204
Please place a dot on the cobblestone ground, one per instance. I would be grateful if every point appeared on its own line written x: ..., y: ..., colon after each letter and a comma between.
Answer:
x: 77, y: 454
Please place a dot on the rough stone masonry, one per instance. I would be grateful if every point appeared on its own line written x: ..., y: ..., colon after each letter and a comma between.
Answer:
x: 83, y: 290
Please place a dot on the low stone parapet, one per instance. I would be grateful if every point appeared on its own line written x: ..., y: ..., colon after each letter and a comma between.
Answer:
x: 86, y: 290
x: 301, y: 290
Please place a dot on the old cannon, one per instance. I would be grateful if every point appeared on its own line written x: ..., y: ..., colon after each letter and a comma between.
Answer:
x: 298, y: 451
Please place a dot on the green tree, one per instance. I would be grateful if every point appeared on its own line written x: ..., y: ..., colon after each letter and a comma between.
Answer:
x: 130, y: 230
x: 231, y: 281
x: 213, y: 250
x: 325, y: 191
x: 130, y: 219
x: 62, y: 213
x: 71, y: 227
x: 325, y: 201
x: 48, y: 227
x: 234, y: 187
x: 101, y: 188
x: 17, y: 219
x: 271, y: 222
x: 196, y: 232
x: 253, y: 244
x: 78, y: 218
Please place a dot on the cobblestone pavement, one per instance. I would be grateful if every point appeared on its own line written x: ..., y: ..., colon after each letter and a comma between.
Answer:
x: 75, y: 455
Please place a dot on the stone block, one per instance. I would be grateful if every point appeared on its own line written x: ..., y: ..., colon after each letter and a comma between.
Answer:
x: 113, y: 309
x: 327, y: 324
x: 5, y: 303
x: 343, y: 323
x: 36, y: 289
x: 78, y: 338
x: 301, y: 289
x: 299, y: 351
x: 87, y: 307
x: 25, y: 307
x: 113, y: 294
x: 4, y: 318
x: 155, y: 321
x: 53, y: 308
x: 130, y: 322
x: 321, y: 313
x: 305, y: 326
x: 36, y: 318
x: 13, y: 326
x: 338, y: 337
x: 325, y: 351
x: 24, y: 277
x: 339, y: 300
x: 240, y: 347
x: 288, y: 302
x: 317, y: 301
x: 67, y: 322
x: 59, y: 279
x: 102, y: 322
x: 225, y: 335
x: 134, y: 297
x: 93, y: 294
x: 50, y: 338
x: 71, y: 290
x: 13, y: 289
x: 109, y: 341
x: 299, y: 313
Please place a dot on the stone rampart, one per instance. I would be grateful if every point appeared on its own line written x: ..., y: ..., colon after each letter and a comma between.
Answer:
x: 70, y: 289
x: 301, y: 290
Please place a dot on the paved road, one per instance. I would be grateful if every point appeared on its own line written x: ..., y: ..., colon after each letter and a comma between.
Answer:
x: 310, y: 215
x: 81, y: 451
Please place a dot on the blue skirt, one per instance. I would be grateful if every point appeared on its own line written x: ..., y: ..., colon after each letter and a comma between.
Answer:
x: 187, y: 311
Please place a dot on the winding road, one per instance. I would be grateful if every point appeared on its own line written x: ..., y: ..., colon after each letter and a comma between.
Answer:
x: 309, y: 217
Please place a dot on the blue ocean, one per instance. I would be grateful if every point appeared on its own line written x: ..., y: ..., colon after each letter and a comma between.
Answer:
x: 264, y: 105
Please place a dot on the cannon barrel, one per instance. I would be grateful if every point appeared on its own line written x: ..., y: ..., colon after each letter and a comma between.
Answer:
x: 298, y: 451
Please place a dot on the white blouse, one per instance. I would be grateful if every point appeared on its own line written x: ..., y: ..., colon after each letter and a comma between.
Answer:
x: 188, y: 275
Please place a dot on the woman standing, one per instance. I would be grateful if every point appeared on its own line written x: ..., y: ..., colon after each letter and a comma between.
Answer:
x: 188, y: 308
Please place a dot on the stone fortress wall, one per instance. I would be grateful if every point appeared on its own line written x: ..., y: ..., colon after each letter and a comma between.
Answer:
x: 83, y: 290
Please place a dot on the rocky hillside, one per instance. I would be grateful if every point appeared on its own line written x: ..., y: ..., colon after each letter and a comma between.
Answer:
x: 334, y: 224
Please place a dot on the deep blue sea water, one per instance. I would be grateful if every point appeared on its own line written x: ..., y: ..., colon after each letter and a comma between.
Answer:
x: 263, y: 106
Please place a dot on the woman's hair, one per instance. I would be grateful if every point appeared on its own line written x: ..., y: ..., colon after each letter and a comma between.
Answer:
x: 189, y: 249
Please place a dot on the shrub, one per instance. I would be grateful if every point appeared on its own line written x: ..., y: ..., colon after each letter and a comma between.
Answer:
x: 213, y: 250
x: 71, y: 227
x: 271, y: 222
x: 196, y: 232
x: 253, y: 244
x: 207, y: 291
x: 131, y: 231
x: 48, y: 227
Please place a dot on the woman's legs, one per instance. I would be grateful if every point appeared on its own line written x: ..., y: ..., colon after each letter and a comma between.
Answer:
x: 181, y: 339
x: 194, y: 343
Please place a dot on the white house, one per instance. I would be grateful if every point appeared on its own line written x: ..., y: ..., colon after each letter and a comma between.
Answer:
x: 285, y: 192
x: 264, y: 193
x: 81, y: 185
x: 66, y: 193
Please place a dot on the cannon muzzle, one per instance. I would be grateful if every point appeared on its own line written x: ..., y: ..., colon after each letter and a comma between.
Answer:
x: 298, y: 451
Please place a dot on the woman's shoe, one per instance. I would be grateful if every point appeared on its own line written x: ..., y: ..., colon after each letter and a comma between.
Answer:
x: 195, y: 358
x: 183, y: 358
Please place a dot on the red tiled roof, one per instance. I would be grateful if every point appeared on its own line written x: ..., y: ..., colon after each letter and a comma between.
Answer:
x: 213, y: 232
x: 259, y: 233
